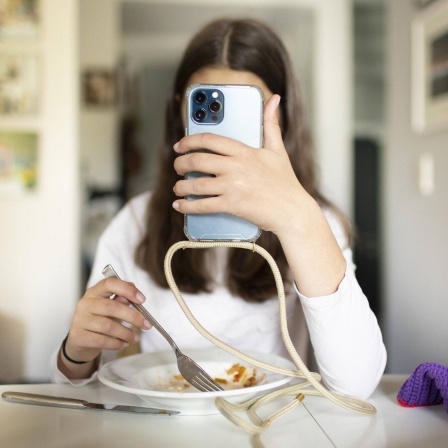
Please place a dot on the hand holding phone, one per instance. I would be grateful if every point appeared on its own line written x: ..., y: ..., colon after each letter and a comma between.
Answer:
x: 234, y: 111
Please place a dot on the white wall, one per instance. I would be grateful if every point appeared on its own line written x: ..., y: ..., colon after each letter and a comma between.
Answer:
x: 39, y: 231
x: 99, y: 126
x: 333, y: 97
x: 415, y: 226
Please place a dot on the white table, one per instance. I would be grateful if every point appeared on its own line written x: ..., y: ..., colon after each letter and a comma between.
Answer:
x: 321, y: 424
x: 393, y: 426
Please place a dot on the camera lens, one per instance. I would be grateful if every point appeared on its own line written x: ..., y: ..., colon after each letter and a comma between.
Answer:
x: 199, y: 114
x: 200, y: 97
x: 215, y: 106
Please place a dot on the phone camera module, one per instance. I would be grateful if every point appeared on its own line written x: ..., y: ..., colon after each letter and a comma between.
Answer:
x: 215, y: 106
x: 200, y: 97
x: 200, y: 115
x: 206, y: 105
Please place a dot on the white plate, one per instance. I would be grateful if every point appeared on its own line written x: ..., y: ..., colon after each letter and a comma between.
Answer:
x: 152, y: 376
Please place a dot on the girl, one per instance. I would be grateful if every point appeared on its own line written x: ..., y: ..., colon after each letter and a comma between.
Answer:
x: 232, y: 292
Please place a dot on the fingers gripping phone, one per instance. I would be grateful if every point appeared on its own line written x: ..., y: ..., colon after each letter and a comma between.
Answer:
x: 234, y: 111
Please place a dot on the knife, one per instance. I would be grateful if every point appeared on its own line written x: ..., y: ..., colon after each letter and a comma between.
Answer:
x: 61, y: 402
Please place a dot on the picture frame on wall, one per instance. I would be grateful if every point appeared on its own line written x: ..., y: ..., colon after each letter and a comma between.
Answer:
x: 99, y: 88
x: 430, y: 68
x: 18, y: 161
x: 19, y: 19
x: 19, y: 84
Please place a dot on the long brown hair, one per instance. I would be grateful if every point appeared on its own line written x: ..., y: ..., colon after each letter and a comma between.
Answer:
x: 245, y: 45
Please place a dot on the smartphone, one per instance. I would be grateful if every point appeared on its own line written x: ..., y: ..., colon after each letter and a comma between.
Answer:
x: 234, y: 111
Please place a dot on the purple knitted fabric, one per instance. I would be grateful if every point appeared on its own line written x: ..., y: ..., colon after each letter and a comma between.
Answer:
x: 427, y: 386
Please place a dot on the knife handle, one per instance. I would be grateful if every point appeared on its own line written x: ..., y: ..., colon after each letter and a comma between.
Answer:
x: 44, y: 400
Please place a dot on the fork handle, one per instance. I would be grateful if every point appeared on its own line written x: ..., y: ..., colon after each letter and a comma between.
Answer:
x: 109, y: 271
x: 142, y: 310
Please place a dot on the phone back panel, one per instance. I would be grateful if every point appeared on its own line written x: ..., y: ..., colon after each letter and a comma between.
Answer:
x: 240, y: 118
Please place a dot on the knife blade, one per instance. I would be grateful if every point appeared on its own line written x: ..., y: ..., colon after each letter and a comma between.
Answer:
x: 73, y: 403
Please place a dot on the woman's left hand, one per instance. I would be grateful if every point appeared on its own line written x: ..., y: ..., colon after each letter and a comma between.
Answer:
x: 257, y: 184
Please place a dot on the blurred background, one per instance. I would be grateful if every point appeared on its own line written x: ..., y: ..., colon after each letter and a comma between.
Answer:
x: 82, y: 97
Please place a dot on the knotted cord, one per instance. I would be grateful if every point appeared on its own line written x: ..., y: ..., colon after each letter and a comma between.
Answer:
x: 298, y: 390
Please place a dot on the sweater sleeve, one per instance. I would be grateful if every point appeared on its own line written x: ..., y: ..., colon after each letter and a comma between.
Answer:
x: 344, y: 332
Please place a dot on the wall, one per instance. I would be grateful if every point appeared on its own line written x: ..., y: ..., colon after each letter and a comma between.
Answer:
x: 39, y: 232
x: 333, y: 97
x: 99, y: 125
x: 415, y: 226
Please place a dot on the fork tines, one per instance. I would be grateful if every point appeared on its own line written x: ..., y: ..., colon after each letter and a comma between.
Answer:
x: 204, y: 383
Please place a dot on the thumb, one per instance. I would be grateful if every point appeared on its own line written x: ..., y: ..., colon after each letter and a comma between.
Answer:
x: 272, y: 133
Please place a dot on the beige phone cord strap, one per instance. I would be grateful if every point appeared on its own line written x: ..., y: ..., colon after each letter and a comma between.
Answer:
x: 297, y: 390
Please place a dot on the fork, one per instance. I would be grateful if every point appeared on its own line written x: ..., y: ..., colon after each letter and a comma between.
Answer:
x: 189, y: 369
